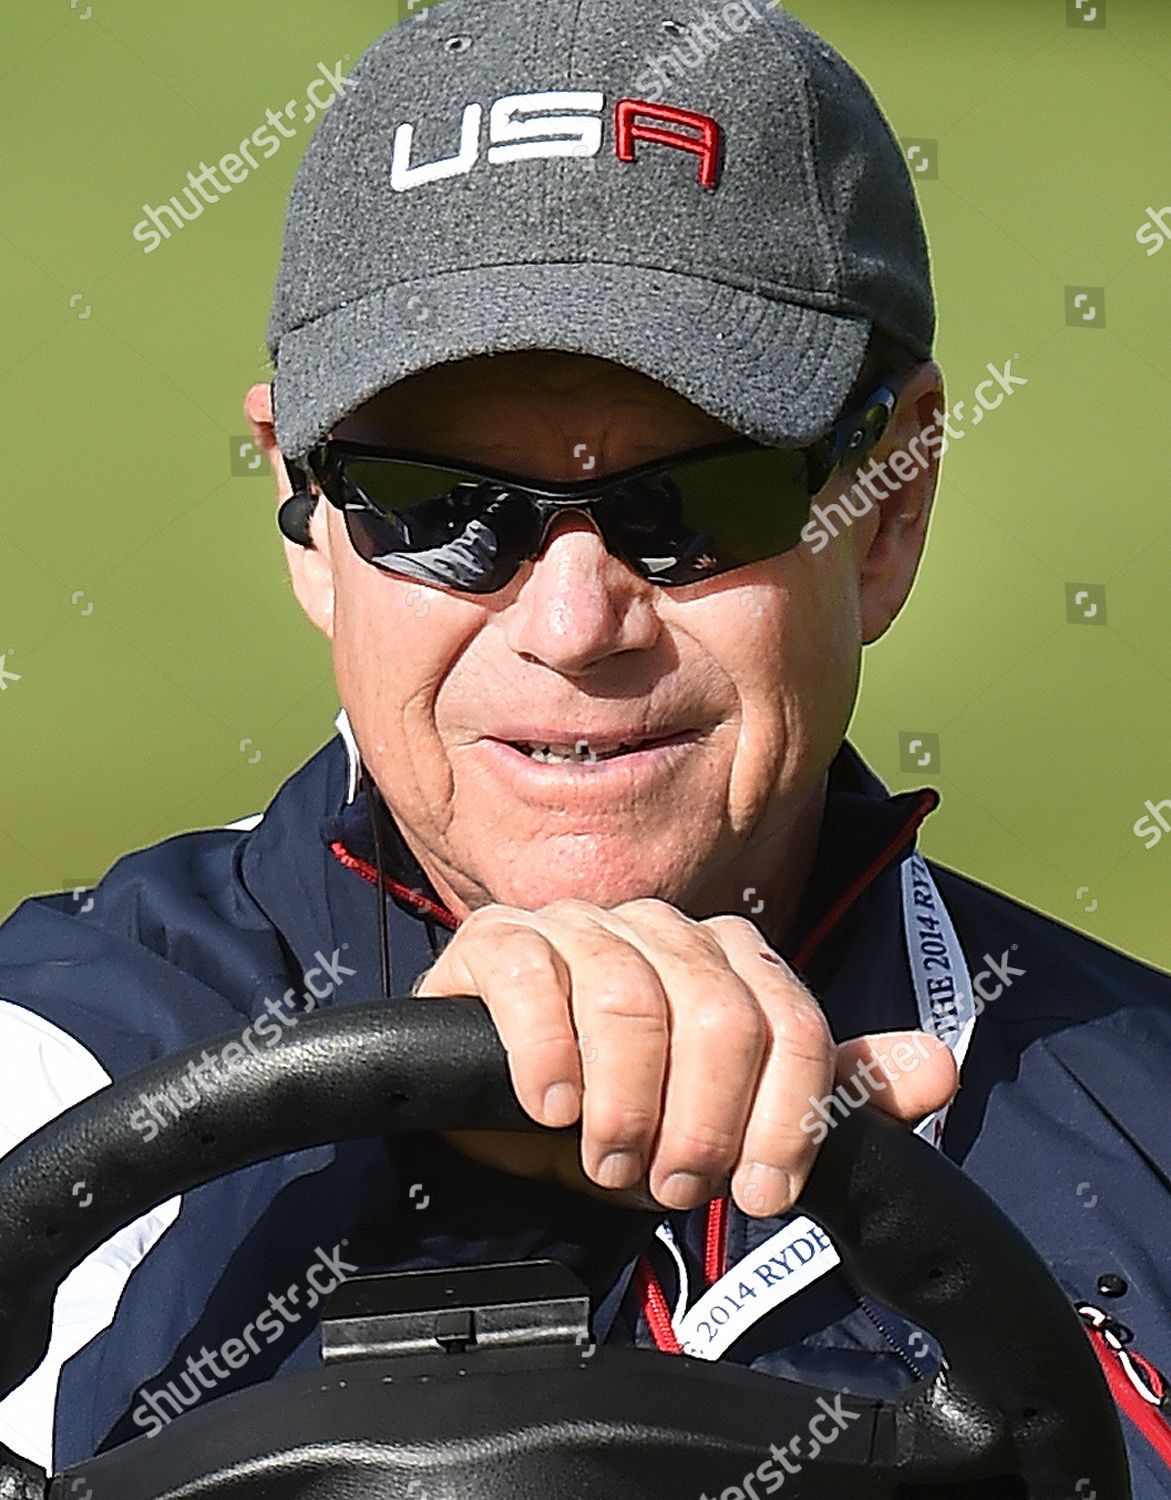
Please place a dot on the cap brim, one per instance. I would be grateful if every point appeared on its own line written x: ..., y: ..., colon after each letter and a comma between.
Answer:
x: 777, y: 371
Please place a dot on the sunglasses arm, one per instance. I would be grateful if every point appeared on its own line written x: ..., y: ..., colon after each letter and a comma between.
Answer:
x: 856, y: 434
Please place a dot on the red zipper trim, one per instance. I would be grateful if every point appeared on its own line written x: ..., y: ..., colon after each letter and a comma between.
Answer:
x: 928, y: 803
x: 416, y: 898
x: 715, y: 1250
x: 1145, y: 1417
x: 654, y: 1306
x: 716, y: 1236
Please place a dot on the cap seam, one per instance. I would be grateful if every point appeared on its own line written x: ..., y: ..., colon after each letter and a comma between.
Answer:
x: 809, y: 156
x: 575, y: 24
x: 844, y: 73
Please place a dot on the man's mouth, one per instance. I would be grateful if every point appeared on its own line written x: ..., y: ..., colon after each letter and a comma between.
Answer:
x: 580, y: 751
x: 543, y: 765
x: 558, y: 749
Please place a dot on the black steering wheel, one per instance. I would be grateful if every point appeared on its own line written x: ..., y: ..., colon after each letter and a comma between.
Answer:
x: 1020, y: 1407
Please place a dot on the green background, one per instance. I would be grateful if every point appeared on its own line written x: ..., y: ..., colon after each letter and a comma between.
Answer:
x: 168, y: 680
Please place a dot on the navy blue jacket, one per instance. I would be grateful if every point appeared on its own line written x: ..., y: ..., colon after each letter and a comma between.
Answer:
x: 1062, y: 1117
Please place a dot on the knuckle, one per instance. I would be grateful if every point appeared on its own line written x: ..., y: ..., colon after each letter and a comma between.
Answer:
x: 492, y: 916
x: 707, y: 1148
x: 553, y: 1048
x: 801, y: 1029
x: 628, y: 993
x: 650, y: 906
x: 786, y: 1145
x: 699, y: 942
x: 572, y: 907
x: 732, y: 1019
x: 526, y: 955
x: 733, y: 922
x: 615, y: 1124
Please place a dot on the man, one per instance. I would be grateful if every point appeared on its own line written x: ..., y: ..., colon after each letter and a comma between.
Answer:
x: 591, y: 745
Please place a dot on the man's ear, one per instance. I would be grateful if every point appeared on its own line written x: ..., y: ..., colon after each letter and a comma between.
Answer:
x: 311, y: 568
x: 904, y: 470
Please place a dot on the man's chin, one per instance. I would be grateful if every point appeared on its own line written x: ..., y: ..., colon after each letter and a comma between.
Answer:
x: 605, y: 872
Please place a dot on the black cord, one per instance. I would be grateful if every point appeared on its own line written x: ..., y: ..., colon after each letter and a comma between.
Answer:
x: 372, y: 796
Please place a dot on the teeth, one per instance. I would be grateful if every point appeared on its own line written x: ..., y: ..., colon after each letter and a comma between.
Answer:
x: 579, y: 753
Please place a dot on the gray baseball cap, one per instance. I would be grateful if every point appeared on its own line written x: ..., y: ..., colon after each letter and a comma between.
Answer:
x: 713, y: 198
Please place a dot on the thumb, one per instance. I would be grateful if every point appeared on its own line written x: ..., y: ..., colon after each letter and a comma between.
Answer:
x: 906, y: 1074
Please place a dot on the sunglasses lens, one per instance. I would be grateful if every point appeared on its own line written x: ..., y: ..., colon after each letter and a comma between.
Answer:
x: 755, y: 503
x: 723, y: 512
x: 398, y: 489
x: 434, y: 525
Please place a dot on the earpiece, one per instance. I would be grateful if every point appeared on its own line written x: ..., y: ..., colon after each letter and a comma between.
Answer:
x: 293, y: 518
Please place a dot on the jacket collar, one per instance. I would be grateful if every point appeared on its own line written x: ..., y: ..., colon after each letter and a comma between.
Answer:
x: 866, y: 830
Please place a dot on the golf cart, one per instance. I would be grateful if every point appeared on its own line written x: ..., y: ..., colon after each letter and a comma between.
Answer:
x: 483, y: 1382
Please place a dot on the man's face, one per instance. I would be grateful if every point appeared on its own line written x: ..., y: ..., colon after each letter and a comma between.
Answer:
x: 756, y: 668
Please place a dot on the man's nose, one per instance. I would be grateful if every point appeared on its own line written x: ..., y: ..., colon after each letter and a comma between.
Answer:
x: 580, y: 603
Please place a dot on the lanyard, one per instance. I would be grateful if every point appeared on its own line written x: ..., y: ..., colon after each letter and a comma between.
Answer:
x: 801, y: 1251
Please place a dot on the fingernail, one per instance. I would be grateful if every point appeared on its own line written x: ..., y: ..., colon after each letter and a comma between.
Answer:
x: 762, y: 1190
x: 561, y: 1104
x: 620, y: 1169
x: 685, y: 1189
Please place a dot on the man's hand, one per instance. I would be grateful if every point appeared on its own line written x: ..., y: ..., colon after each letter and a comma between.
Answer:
x: 689, y: 1050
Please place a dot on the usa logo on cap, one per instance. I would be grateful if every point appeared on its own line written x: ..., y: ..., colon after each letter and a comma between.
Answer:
x: 514, y: 135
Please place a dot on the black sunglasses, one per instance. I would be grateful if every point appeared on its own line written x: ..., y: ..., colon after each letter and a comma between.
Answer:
x: 676, y: 521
